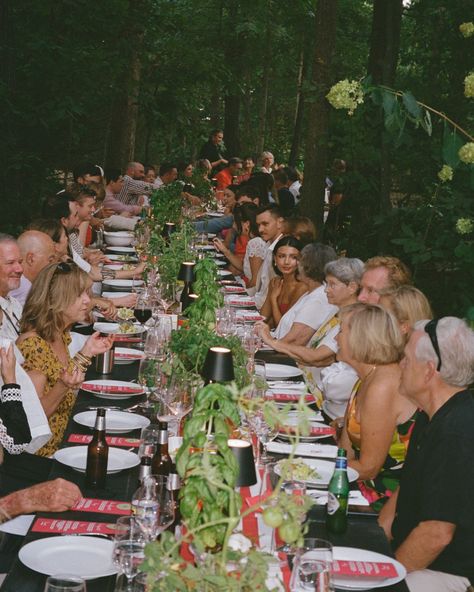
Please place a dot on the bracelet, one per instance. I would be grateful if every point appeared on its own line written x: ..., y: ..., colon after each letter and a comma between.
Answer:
x: 108, y: 274
x: 82, y: 361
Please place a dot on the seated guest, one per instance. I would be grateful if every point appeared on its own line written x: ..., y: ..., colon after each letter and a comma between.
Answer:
x: 408, y: 305
x: 36, y: 251
x: 294, y: 178
x: 150, y: 174
x: 55, y: 230
x: 133, y: 187
x: 270, y: 226
x: 378, y: 420
x: 266, y: 162
x: 168, y: 174
x: 185, y: 171
x: 114, y: 184
x: 430, y: 519
x: 87, y: 173
x: 51, y: 496
x: 85, y: 199
x: 330, y: 382
x: 381, y: 274
x: 245, y: 230
x: 247, y: 192
x: 306, y: 316
x: 11, y: 271
x: 302, y: 228
x: 264, y: 184
x: 226, y: 176
x: 248, y: 165
x: 285, y: 289
x: 58, y: 298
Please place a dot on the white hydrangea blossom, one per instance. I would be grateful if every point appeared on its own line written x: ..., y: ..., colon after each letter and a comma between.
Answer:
x: 346, y: 95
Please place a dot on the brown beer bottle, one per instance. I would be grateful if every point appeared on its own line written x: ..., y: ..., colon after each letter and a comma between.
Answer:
x: 97, y: 454
x: 161, y: 464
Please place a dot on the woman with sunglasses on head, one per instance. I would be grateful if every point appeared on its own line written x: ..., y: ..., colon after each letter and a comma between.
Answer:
x: 59, y: 297
x: 378, y: 420
x: 286, y: 288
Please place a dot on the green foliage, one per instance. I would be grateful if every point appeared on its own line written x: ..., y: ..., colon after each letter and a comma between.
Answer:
x: 166, y: 203
x: 173, y: 251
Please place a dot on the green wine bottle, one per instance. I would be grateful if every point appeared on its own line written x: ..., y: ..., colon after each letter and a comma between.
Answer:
x: 338, y: 496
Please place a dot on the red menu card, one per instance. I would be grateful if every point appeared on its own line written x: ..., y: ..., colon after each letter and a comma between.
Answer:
x: 51, y: 525
x: 366, y: 569
x: 284, y: 397
x: 111, y: 440
x: 314, y: 431
x: 99, y: 506
x: 112, y: 389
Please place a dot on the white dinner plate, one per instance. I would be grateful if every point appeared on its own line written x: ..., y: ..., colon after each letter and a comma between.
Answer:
x: 325, y: 470
x: 114, y: 266
x: 76, y: 457
x: 114, y: 294
x: 122, y: 284
x: 87, y: 557
x: 127, y: 355
x: 276, y: 371
x: 119, y: 233
x: 223, y: 272
x: 122, y: 258
x: 108, y: 385
x: 220, y: 262
x: 215, y: 214
x: 113, y: 329
x: 205, y: 247
x: 128, y: 250
x: 361, y: 583
x: 116, y: 422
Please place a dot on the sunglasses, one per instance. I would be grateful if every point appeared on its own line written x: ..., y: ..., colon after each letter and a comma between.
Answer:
x: 430, y: 329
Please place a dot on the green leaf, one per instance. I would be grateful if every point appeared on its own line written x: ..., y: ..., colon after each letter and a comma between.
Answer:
x: 389, y: 102
x: 451, y: 144
x: 412, y: 105
x: 426, y: 123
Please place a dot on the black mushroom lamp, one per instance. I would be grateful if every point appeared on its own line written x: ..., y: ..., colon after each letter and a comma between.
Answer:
x: 243, y: 453
x: 218, y: 365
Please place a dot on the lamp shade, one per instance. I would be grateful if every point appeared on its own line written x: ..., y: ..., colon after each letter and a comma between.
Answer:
x: 218, y: 365
x: 242, y: 450
x: 186, y: 271
x: 168, y: 229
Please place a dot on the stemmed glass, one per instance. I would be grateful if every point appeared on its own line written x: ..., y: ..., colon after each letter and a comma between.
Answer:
x: 129, y: 548
x: 147, y: 377
x: 143, y: 307
x: 167, y: 295
x: 179, y: 397
x: 157, y: 338
x: 251, y: 343
x: 265, y: 433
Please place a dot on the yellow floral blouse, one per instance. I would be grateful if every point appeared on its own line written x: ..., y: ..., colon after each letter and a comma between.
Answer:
x: 39, y: 356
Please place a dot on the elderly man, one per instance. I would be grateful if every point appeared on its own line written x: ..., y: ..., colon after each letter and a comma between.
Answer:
x: 11, y: 269
x: 381, y: 274
x: 36, y: 251
x: 431, y: 517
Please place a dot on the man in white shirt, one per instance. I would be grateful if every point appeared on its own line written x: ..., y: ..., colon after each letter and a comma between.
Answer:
x: 270, y: 226
x: 36, y: 251
x: 10, y: 275
x: 167, y: 174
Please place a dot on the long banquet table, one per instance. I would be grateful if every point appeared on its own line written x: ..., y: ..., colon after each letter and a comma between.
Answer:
x: 363, y: 530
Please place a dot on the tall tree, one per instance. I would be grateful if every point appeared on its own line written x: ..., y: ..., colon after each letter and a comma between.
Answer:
x: 317, y: 128
x: 382, y: 67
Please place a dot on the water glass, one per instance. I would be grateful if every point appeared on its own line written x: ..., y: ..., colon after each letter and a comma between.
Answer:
x: 129, y: 548
x: 312, y: 567
x: 65, y: 583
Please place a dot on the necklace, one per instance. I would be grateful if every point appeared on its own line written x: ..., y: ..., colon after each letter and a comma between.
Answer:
x: 369, y: 373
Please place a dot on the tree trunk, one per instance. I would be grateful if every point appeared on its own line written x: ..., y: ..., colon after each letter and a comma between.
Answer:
x: 298, y: 121
x: 233, y: 54
x: 382, y: 66
x: 267, y: 60
x: 124, y: 116
x: 316, y: 145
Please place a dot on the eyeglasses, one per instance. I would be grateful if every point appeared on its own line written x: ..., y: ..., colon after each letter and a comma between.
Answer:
x: 430, y: 329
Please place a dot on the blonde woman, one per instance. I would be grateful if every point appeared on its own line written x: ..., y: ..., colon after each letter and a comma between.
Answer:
x: 59, y: 297
x: 378, y: 420
x: 408, y: 305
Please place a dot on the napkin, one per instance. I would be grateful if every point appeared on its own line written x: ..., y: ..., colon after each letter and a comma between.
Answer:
x: 304, y: 449
x: 19, y: 525
x: 112, y: 389
x: 111, y: 440
x: 355, y: 498
x: 234, y: 289
x: 366, y: 569
x: 99, y: 506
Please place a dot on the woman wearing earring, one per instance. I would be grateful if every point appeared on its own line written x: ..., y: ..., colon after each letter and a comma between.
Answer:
x: 286, y: 288
x: 59, y: 297
x: 378, y: 420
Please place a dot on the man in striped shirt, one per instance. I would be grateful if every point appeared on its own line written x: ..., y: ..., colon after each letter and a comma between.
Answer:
x: 134, y: 188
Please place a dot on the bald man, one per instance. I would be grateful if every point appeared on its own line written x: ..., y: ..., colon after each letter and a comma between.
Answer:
x: 37, y: 251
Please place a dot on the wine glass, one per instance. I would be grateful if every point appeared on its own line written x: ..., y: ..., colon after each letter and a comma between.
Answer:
x: 129, y: 548
x: 147, y: 377
x: 65, y: 583
x: 143, y: 307
x: 179, y: 397
x: 167, y: 295
x: 157, y: 338
x: 149, y: 438
x: 265, y: 434
x: 312, y: 567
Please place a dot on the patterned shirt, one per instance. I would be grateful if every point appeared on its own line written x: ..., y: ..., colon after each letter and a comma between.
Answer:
x: 132, y: 190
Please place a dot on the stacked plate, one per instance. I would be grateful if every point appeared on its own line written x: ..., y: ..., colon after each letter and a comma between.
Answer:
x: 116, y: 422
x: 112, y: 389
x: 76, y: 458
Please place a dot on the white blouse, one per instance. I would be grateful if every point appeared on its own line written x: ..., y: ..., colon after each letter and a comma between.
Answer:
x: 256, y: 247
